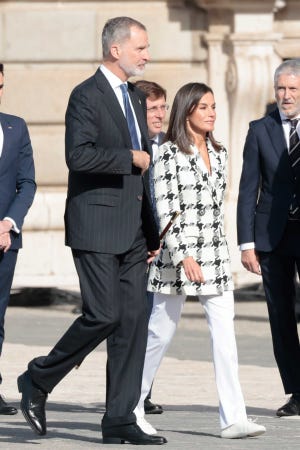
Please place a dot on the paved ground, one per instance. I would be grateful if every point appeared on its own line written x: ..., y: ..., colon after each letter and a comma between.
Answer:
x: 184, y: 385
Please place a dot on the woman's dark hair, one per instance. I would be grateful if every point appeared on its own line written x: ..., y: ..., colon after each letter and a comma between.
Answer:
x: 2, y: 68
x: 185, y: 101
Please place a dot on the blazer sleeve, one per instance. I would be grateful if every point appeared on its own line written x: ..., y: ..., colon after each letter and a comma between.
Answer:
x: 167, y: 202
x: 249, y: 189
x: 25, y: 181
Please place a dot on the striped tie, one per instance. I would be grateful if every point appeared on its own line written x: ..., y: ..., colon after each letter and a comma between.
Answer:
x: 294, y: 154
x: 294, y: 149
x: 130, y: 118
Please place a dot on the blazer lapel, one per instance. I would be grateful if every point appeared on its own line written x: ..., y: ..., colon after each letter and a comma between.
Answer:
x: 274, y: 128
x: 112, y: 104
x: 140, y: 115
x: 214, y: 184
x: 7, y: 129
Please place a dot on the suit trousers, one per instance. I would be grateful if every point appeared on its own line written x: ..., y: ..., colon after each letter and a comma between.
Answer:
x: 7, y: 268
x: 219, y: 312
x: 279, y: 269
x: 113, y: 289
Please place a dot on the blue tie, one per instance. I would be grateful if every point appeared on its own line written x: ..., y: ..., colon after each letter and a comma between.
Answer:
x: 130, y: 118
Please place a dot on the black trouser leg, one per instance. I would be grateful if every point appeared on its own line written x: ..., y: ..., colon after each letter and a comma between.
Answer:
x: 278, y: 273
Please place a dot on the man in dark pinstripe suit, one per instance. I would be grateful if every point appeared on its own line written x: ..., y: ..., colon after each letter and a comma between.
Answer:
x: 109, y: 226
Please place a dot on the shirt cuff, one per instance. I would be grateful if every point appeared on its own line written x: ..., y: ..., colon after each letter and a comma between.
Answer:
x: 247, y: 246
x: 14, y: 225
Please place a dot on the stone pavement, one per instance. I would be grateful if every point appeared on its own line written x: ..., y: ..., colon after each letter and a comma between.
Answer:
x: 184, y: 385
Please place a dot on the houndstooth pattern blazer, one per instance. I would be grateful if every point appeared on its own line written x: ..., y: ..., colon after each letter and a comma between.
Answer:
x: 182, y: 183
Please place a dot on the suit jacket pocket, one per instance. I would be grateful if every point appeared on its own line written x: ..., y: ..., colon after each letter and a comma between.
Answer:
x: 103, y: 199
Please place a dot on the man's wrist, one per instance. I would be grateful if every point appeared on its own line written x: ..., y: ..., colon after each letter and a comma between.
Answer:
x: 11, y: 224
x: 247, y: 246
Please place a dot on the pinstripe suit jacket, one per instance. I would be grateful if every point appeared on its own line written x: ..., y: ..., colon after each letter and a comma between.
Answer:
x: 17, y: 185
x: 107, y: 200
x: 182, y: 183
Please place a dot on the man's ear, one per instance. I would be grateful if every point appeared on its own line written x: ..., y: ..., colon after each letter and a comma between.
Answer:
x: 115, y: 51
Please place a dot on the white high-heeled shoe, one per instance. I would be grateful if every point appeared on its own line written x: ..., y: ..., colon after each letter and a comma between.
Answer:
x: 243, y: 429
x: 145, y: 426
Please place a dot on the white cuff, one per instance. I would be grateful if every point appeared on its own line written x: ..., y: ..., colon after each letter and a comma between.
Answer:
x: 14, y: 225
x: 247, y: 246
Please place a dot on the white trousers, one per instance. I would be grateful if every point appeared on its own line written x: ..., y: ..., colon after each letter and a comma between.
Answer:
x: 219, y: 312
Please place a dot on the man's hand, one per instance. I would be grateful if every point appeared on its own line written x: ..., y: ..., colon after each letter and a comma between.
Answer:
x: 250, y: 261
x: 5, y: 226
x: 152, y: 254
x: 193, y: 270
x: 140, y: 159
x: 5, y: 242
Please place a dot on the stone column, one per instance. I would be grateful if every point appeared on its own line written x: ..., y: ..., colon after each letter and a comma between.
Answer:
x: 249, y: 84
x: 241, y: 63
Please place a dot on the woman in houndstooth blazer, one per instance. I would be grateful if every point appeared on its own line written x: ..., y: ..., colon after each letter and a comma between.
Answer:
x: 190, y: 177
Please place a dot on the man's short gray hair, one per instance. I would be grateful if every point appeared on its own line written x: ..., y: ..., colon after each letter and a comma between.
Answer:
x: 117, y: 30
x: 288, y: 67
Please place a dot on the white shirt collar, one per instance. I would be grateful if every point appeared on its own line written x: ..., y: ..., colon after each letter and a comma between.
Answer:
x: 284, y: 118
x: 113, y: 80
x: 155, y: 139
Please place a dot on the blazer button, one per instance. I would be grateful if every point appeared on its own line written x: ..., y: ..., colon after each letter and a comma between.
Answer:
x: 140, y: 197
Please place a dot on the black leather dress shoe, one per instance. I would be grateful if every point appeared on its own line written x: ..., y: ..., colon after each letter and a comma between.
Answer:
x: 33, y: 404
x: 130, y: 433
x: 151, y: 408
x: 6, y: 409
x: 291, y: 408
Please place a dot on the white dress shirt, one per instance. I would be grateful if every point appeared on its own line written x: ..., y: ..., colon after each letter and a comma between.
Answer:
x: 115, y: 83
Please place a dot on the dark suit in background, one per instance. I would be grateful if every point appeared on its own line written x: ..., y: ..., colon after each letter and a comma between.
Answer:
x: 268, y: 187
x: 17, y: 189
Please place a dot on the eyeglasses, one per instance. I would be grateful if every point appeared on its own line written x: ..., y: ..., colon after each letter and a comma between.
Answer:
x: 155, y: 109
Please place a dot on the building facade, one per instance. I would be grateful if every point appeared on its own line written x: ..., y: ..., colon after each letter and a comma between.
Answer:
x: 50, y: 46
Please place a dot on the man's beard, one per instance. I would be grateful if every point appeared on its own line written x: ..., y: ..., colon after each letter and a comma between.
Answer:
x: 132, y: 71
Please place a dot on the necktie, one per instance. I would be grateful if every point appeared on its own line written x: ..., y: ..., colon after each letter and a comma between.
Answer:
x: 130, y: 118
x: 294, y: 149
x: 294, y: 154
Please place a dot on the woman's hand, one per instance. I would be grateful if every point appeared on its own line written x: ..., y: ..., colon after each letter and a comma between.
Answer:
x: 192, y: 270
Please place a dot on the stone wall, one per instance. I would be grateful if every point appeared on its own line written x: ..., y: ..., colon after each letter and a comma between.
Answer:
x: 50, y: 46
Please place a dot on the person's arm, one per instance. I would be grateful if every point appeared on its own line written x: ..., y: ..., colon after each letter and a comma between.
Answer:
x: 85, y: 140
x: 247, y: 200
x: 167, y: 202
x: 248, y: 190
x: 25, y: 184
